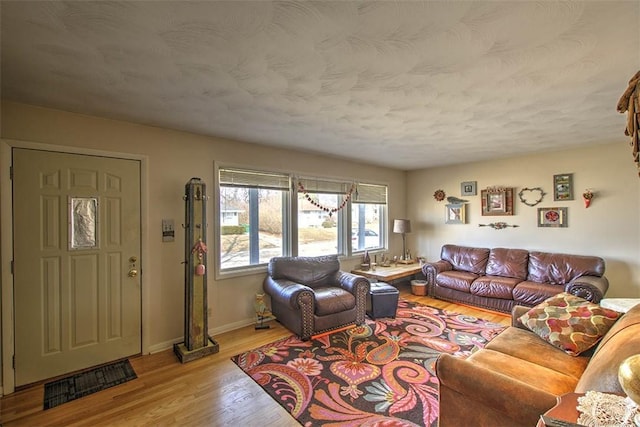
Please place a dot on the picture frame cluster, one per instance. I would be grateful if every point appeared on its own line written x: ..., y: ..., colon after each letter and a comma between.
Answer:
x: 499, y: 201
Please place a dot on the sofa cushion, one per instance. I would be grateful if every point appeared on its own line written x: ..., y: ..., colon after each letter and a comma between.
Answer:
x: 330, y: 300
x: 458, y: 280
x: 525, y: 345
x: 473, y: 260
x: 570, y: 323
x: 533, y: 293
x: 494, y: 286
x: 508, y: 263
x: 559, y: 269
x: 523, y: 371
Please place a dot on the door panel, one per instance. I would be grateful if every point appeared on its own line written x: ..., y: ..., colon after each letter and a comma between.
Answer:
x: 76, y: 232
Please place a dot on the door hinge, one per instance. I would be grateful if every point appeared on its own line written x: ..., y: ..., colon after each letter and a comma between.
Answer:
x: 10, y: 172
x: 13, y: 361
x: 11, y: 266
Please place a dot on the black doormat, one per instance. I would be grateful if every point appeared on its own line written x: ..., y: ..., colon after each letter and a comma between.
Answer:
x: 78, y: 385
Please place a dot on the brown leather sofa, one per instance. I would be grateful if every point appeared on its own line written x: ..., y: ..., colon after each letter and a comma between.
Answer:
x: 517, y: 376
x: 500, y: 278
x: 310, y: 295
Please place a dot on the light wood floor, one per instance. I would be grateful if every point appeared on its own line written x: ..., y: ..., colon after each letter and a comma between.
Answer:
x: 211, y: 391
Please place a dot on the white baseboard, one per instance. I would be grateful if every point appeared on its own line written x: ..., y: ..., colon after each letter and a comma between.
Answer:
x: 212, y: 333
x: 156, y: 348
x: 231, y: 326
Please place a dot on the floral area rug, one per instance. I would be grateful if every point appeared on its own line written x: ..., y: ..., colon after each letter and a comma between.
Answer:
x: 380, y: 373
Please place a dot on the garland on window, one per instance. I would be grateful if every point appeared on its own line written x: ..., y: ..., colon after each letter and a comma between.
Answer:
x: 324, y: 208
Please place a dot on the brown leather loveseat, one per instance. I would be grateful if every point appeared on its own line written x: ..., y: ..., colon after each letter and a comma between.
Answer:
x: 517, y: 376
x: 310, y: 295
x: 501, y: 278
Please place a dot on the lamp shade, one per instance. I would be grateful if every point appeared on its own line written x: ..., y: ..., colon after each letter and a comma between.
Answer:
x: 401, y: 226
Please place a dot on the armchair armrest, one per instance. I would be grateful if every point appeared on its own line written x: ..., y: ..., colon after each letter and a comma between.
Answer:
x: 285, y: 292
x: 492, y: 390
x: 351, y: 282
x: 359, y: 286
x: 591, y: 288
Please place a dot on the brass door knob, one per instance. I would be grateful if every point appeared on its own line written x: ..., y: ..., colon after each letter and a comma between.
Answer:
x: 133, y: 272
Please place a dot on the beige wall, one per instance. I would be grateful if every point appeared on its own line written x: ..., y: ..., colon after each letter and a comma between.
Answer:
x: 172, y: 159
x: 609, y: 228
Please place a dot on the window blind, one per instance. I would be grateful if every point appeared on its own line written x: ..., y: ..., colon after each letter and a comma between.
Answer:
x: 370, y: 193
x: 253, y: 179
x: 313, y: 185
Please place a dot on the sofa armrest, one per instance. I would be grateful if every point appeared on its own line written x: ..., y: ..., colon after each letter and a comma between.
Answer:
x: 516, y: 312
x: 432, y: 269
x: 285, y: 292
x: 591, y: 288
x: 492, y: 390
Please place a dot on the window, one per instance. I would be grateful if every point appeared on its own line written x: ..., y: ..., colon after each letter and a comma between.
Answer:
x: 321, y: 218
x: 259, y: 219
x: 254, y: 209
x: 368, y: 217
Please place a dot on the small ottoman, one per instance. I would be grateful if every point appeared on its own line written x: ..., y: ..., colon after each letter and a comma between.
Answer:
x: 382, y: 300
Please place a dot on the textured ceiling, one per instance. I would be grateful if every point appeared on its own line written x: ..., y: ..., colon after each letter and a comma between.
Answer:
x: 401, y: 84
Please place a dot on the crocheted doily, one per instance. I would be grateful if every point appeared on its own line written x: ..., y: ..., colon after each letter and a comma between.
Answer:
x: 604, y: 410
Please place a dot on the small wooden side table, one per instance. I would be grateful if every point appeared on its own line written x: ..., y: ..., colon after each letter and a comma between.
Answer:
x: 392, y: 274
x: 566, y: 409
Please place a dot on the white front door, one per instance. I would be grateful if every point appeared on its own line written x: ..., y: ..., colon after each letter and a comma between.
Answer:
x: 77, y: 296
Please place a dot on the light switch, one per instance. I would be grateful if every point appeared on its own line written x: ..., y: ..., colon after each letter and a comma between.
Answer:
x: 168, y: 230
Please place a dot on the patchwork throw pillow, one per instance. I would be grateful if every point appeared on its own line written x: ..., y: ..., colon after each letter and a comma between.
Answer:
x: 570, y: 323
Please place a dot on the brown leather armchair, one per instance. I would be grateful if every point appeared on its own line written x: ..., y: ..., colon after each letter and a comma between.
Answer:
x: 310, y: 295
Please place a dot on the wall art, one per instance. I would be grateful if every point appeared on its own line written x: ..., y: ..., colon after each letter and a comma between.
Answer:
x: 531, y: 196
x: 468, y: 188
x: 497, y: 201
x: 563, y: 187
x: 587, y: 196
x: 552, y: 217
x: 498, y: 225
x: 455, y: 213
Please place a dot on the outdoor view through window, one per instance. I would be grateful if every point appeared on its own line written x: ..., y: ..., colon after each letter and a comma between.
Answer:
x: 253, y: 221
x: 251, y: 226
x: 366, y: 229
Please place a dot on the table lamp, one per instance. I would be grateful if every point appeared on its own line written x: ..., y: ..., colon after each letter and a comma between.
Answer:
x: 402, y: 226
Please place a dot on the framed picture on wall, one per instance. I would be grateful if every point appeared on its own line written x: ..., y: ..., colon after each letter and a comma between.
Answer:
x: 454, y: 213
x: 552, y: 217
x: 468, y: 188
x: 563, y: 187
x: 497, y: 201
